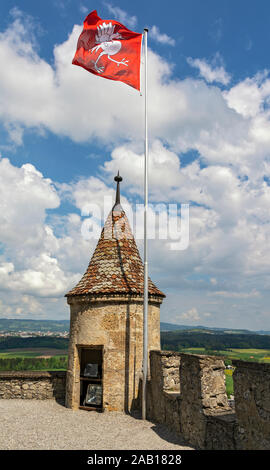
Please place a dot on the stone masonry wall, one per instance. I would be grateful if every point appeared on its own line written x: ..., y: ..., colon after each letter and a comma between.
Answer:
x: 201, y: 412
x: 163, y: 388
x: 188, y: 394
x: 252, y: 405
x: 203, y: 395
x: 116, y: 323
x: 32, y: 385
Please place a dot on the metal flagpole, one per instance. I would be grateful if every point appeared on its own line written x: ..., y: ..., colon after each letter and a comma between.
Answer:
x: 145, y: 299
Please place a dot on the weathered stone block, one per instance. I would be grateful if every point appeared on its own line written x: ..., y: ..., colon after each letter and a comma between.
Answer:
x: 203, y: 390
x: 252, y: 405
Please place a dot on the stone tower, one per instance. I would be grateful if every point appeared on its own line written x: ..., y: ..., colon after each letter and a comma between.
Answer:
x: 106, y: 319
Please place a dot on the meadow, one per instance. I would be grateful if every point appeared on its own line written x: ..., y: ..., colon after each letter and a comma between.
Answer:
x: 251, y: 355
x: 229, y: 382
x: 36, y: 359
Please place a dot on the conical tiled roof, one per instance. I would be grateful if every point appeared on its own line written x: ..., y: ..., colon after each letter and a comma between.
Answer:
x: 116, y: 266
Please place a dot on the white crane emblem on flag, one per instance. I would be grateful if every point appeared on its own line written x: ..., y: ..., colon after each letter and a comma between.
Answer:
x: 106, y: 40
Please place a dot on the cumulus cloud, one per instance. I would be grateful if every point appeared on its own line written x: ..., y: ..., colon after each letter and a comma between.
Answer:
x: 210, y: 72
x: 248, y: 96
x: 191, y: 315
x: 22, y: 188
x: 240, y: 295
x: 31, y: 262
x: 121, y: 15
x: 162, y: 38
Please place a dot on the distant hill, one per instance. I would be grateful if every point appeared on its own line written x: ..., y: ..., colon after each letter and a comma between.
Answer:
x: 57, y: 326
x: 209, y: 330
x: 172, y: 326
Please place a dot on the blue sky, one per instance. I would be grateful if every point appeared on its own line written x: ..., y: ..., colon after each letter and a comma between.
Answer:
x: 64, y: 133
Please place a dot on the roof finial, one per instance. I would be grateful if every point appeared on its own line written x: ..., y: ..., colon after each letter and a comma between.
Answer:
x: 118, y: 179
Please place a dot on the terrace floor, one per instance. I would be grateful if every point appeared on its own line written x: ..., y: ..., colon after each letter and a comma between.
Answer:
x: 38, y: 424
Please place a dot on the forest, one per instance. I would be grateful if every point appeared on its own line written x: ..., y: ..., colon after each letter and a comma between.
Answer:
x: 177, y: 340
x: 16, y: 342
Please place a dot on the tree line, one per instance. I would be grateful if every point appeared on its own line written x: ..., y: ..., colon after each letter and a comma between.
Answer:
x: 14, y: 342
x: 34, y: 363
x: 177, y: 340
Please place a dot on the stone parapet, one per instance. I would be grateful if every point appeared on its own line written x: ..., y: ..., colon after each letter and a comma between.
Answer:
x: 188, y: 394
x: 203, y: 393
x: 252, y: 405
x: 165, y: 364
x: 163, y: 388
x: 172, y: 410
x: 220, y: 431
x: 40, y: 385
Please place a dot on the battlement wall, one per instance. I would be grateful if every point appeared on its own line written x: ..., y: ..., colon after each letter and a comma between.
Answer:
x: 38, y: 385
x: 252, y: 404
x: 200, y: 410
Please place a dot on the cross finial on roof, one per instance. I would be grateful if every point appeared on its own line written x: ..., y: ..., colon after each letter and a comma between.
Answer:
x: 118, y: 179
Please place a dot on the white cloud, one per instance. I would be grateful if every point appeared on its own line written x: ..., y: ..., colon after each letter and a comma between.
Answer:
x: 121, y: 15
x: 210, y: 72
x: 248, y: 96
x: 239, y: 295
x: 191, y: 315
x: 31, y: 263
x: 164, y: 167
x: 162, y: 38
x: 84, y: 10
x: 22, y: 188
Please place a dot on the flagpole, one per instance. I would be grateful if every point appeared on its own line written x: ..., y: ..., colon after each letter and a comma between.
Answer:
x: 145, y: 288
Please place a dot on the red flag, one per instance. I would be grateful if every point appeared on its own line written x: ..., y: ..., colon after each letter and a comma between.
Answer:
x: 110, y: 50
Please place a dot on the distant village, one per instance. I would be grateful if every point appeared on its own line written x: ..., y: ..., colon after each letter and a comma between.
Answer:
x: 31, y: 334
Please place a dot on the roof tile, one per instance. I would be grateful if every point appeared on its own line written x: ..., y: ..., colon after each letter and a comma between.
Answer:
x: 116, y: 266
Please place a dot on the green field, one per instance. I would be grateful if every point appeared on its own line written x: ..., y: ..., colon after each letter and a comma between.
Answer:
x: 229, y: 382
x: 252, y: 355
x: 37, y: 359
x: 28, y: 352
